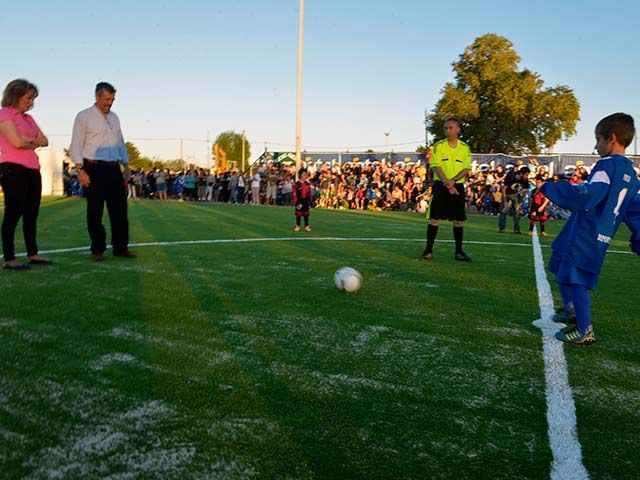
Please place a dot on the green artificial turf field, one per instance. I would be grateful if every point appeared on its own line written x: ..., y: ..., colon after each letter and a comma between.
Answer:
x: 240, y: 360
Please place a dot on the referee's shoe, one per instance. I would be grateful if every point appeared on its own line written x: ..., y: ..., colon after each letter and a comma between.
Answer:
x: 463, y: 257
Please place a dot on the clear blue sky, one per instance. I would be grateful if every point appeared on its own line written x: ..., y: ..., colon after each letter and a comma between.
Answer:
x: 185, y: 68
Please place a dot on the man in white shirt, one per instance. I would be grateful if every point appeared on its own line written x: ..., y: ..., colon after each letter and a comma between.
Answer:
x: 97, y: 150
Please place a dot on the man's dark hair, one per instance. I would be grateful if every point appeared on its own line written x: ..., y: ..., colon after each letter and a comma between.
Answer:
x: 104, y: 86
x: 15, y: 90
x: 540, y: 177
x: 453, y: 119
x: 524, y: 170
x: 301, y: 171
x: 619, y: 123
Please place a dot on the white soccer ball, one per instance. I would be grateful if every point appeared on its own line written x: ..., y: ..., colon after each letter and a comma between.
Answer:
x: 347, y: 280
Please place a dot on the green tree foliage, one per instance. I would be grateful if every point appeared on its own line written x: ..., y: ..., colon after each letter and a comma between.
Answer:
x: 231, y: 143
x: 503, y: 109
x: 139, y: 161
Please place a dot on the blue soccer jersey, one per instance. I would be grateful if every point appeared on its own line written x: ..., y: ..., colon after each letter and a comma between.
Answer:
x: 598, y: 207
x: 632, y: 219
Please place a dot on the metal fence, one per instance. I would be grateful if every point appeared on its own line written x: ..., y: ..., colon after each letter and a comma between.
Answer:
x: 559, y: 163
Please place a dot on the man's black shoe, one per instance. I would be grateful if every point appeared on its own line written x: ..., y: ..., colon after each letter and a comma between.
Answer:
x: 463, y: 257
x: 426, y: 256
x: 97, y: 257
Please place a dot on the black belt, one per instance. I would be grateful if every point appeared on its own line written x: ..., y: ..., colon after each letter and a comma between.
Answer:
x: 101, y: 163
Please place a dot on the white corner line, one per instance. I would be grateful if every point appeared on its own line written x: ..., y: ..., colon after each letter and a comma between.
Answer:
x: 561, y: 410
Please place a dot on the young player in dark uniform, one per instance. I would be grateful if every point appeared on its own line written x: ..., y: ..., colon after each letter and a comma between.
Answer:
x: 538, y: 207
x: 302, y: 198
x: 451, y: 162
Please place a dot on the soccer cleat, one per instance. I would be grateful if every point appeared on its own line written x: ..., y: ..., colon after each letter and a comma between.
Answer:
x: 426, y: 256
x: 561, y: 316
x: 296, y: 228
x: 530, y: 233
x: 576, y: 337
x: 463, y: 257
x: 307, y: 228
x: 544, y: 234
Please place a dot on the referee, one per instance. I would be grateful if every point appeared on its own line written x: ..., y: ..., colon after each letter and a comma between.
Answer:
x: 451, y: 162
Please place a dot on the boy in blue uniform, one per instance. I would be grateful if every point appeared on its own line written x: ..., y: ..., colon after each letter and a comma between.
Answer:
x: 599, y: 205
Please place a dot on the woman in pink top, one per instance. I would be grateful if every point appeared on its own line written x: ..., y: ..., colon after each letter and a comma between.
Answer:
x: 20, y: 171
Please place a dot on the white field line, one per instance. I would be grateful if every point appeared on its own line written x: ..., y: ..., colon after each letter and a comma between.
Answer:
x: 287, y: 239
x: 561, y: 411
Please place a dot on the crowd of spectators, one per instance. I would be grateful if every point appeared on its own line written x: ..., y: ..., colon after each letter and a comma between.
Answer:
x: 360, y: 186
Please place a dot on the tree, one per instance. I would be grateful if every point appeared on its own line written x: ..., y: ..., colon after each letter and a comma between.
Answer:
x: 231, y: 144
x: 503, y: 109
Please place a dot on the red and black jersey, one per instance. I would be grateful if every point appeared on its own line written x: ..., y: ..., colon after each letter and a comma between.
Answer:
x: 537, y: 200
x: 302, y: 198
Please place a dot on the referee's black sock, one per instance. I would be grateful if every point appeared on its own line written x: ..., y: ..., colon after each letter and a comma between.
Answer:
x: 457, y: 236
x: 432, y: 232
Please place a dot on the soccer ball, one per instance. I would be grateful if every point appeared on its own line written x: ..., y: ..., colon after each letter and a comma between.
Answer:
x: 347, y: 280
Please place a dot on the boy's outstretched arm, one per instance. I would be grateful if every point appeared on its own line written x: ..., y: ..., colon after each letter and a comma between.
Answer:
x: 632, y: 219
x: 580, y: 195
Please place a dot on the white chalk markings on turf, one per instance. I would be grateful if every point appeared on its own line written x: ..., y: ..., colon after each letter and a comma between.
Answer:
x: 561, y: 411
x: 287, y: 239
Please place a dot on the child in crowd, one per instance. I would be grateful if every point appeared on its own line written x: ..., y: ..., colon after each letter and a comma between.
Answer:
x: 302, y: 199
x: 608, y: 197
x: 538, y: 207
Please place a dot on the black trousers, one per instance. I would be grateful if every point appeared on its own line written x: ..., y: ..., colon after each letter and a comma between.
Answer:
x: 107, y: 186
x: 22, y: 191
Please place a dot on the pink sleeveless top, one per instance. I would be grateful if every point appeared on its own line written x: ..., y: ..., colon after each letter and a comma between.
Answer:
x: 26, y: 126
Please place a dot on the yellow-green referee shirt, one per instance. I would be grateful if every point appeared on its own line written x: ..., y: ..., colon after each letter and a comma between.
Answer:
x: 451, y: 160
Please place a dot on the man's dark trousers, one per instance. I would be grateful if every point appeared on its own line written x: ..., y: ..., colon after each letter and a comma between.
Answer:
x: 107, y: 186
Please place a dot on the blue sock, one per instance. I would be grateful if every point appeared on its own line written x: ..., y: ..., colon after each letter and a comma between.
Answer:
x: 581, y: 302
x: 567, y: 298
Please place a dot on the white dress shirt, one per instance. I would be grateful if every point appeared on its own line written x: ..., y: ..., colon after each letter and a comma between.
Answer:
x: 97, y: 136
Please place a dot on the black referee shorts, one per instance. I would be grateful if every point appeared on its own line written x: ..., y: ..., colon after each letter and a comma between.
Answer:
x: 445, y: 206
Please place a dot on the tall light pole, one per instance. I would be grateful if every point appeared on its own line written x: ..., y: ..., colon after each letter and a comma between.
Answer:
x: 299, y: 95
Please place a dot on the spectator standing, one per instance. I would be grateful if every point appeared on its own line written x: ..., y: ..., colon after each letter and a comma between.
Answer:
x: 272, y: 185
x: 241, y: 187
x: 255, y: 189
x: 161, y: 184
x: 516, y: 184
x: 190, y: 185
x: 211, y: 180
x: 97, y: 149
x: 20, y: 171
x: 287, y: 190
x: 233, y: 187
